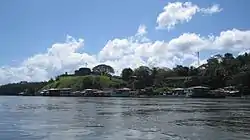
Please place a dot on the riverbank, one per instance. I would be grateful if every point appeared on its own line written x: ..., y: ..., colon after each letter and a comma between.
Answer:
x: 192, y: 92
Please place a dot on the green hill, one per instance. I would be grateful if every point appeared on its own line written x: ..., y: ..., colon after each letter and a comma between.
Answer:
x: 83, y: 82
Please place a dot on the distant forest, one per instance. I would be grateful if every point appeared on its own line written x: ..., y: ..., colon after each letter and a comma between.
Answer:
x: 219, y: 71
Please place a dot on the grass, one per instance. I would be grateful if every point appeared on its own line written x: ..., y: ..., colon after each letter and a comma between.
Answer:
x: 82, y: 82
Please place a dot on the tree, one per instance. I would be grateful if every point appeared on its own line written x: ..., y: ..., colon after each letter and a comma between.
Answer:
x: 127, y: 73
x: 103, y: 69
x: 57, y: 78
x: 51, y: 80
x: 181, y: 71
x: 193, y: 71
x: 229, y: 64
x: 83, y: 72
x: 161, y: 75
x: 15, y: 88
x: 143, y: 74
x: 154, y: 73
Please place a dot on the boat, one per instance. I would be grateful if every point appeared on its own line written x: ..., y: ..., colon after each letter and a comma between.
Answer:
x: 178, y: 92
x: 145, y: 93
x: 202, y: 92
x: 21, y: 94
x: 57, y: 92
x: 89, y: 92
x: 231, y: 91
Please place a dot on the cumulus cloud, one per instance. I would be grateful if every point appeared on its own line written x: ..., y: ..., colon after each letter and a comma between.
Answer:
x: 59, y: 58
x: 243, y: 52
x: 201, y: 62
x: 190, y: 42
x: 210, y: 10
x: 178, y: 12
x: 116, y: 48
x: 132, y: 51
x: 142, y: 30
x: 170, y: 53
x: 233, y: 40
x: 123, y: 52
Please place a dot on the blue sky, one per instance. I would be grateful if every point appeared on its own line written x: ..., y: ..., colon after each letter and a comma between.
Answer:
x: 31, y: 27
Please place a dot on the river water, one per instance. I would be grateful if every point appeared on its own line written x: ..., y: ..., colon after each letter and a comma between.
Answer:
x: 59, y: 118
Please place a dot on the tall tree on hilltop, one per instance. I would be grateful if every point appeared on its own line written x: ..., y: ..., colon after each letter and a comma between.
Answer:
x: 103, y: 69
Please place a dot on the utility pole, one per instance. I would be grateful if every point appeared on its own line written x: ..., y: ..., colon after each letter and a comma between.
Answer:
x: 198, y: 57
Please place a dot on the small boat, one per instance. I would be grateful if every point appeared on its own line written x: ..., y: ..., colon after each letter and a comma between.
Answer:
x: 21, y: 93
x: 90, y: 92
x: 231, y: 91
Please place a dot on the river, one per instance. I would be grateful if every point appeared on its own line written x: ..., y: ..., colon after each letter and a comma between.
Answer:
x: 60, y: 118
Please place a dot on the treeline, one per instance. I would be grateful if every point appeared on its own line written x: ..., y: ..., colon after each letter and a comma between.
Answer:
x: 15, y: 88
x: 219, y: 71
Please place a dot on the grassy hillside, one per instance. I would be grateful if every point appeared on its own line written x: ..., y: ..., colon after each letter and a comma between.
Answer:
x: 83, y: 82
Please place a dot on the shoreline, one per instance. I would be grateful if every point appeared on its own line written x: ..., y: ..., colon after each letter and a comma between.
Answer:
x: 134, y: 97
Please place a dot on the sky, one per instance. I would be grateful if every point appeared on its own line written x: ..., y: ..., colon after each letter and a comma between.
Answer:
x: 40, y: 39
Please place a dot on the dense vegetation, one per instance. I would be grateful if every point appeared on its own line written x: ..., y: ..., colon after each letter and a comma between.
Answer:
x: 219, y: 71
x: 15, y: 88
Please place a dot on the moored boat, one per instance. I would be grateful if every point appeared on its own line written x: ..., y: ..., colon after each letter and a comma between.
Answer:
x: 231, y: 91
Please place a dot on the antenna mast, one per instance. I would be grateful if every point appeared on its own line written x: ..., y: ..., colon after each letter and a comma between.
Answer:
x: 198, y: 57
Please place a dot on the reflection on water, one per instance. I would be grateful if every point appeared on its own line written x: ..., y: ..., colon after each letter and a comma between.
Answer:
x: 36, y: 118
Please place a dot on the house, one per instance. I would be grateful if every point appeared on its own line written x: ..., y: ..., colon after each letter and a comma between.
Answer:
x: 57, y: 92
x: 178, y: 91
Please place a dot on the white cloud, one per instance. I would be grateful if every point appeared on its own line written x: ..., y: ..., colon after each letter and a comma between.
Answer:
x: 243, y: 52
x: 121, y: 53
x: 142, y: 30
x: 175, y: 13
x: 178, y: 12
x: 210, y: 10
x: 140, y: 35
x: 61, y: 57
x: 150, y: 49
x: 233, y: 40
x: 189, y: 42
x: 132, y: 51
x: 115, y: 49
x: 201, y: 62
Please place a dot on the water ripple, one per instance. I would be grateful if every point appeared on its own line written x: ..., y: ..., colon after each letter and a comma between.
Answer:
x: 45, y: 118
